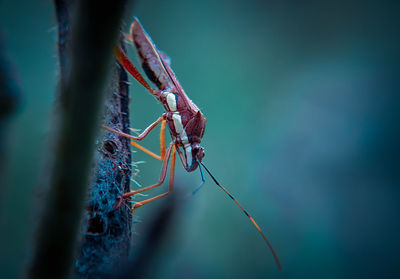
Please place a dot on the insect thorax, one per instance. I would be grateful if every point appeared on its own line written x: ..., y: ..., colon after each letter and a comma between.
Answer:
x: 186, y: 124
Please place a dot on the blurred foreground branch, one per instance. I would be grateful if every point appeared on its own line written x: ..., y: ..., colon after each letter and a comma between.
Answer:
x: 155, y: 238
x: 10, y: 99
x: 95, y: 28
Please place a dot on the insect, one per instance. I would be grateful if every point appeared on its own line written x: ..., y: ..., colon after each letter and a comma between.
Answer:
x: 185, y: 121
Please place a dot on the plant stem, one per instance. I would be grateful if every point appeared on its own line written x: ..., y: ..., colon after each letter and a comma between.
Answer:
x: 107, y: 238
x: 94, y: 32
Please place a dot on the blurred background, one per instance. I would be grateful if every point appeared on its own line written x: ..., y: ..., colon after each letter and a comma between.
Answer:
x: 301, y: 100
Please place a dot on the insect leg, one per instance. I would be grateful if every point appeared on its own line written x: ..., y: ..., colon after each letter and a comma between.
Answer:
x: 143, y: 135
x: 162, y: 144
x: 162, y: 140
x: 171, y: 182
x: 128, y: 37
x: 162, y: 176
x: 151, y: 127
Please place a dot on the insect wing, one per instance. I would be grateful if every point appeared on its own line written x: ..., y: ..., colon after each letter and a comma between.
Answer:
x: 152, y: 61
x: 156, y: 64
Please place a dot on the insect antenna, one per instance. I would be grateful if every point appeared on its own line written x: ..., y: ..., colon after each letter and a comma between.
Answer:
x: 203, y: 179
x: 248, y: 215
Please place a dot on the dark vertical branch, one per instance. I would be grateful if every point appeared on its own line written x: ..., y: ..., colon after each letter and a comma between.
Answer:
x: 107, y: 237
x: 94, y: 32
x: 106, y: 240
x: 10, y: 99
x: 10, y: 91
x: 62, y: 8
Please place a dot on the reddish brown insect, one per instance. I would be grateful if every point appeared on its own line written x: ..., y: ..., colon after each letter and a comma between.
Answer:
x: 185, y: 121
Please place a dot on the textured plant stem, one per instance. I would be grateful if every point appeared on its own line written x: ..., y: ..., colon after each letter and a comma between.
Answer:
x: 107, y: 237
x: 95, y: 28
x: 107, y: 232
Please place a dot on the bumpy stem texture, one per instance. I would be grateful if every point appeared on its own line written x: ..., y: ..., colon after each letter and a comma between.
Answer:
x: 107, y: 235
x: 94, y: 31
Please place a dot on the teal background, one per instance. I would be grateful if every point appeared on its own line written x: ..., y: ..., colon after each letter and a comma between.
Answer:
x: 301, y: 100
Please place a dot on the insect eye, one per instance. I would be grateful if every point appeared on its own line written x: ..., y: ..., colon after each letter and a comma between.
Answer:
x: 199, y: 152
